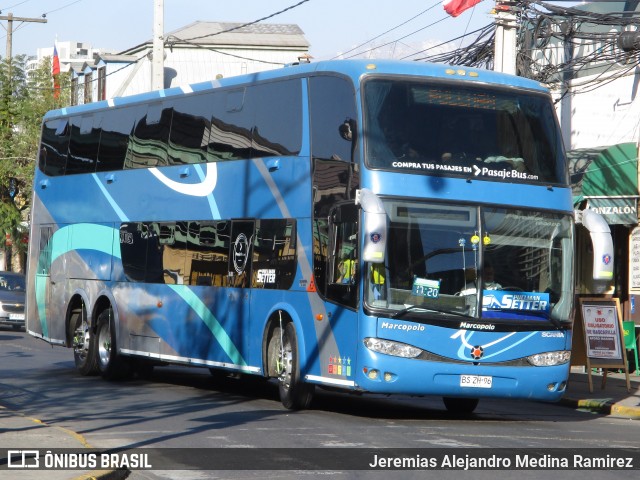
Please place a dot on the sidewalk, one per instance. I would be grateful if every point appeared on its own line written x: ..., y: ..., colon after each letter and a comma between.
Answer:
x: 20, y: 432
x: 612, y: 400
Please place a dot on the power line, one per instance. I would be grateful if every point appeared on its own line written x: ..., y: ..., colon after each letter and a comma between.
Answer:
x: 480, y: 31
x: 10, y: 19
x: 238, y: 27
x: 44, y: 15
x: 467, y: 27
x: 188, y: 41
x: 60, y: 8
x: 596, y: 33
x: 15, y: 5
x: 212, y: 49
x: 390, y: 30
x: 397, y: 40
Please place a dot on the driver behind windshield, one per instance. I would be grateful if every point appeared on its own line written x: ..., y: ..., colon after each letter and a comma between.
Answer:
x: 489, y: 281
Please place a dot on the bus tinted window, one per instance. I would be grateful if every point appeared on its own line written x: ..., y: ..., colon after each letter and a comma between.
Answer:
x: 171, y: 241
x: 83, y: 146
x: 470, y: 131
x: 242, y: 232
x: 142, y: 252
x: 190, y: 129
x: 202, y: 253
x: 148, y: 145
x: 117, y: 125
x: 278, y: 118
x: 133, y: 247
x: 320, y: 252
x: 230, y: 126
x: 208, y: 253
x: 274, y: 254
x: 241, y: 123
x: 54, y: 148
x: 332, y: 100
x: 45, y: 248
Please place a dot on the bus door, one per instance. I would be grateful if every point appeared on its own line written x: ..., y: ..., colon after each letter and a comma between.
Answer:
x: 343, y: 284
x: 343, y: 265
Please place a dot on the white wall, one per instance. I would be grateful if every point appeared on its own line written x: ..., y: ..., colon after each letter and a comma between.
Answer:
x: 196, y: 65
x: 607, y: 115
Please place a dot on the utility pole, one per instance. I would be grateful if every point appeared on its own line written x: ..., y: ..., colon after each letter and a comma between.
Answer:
x: 10, y: 19
x: 566, y: 95
x: 504, y: 57
x: 157, y: 58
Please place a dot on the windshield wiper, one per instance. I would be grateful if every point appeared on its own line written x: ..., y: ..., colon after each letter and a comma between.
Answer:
x: 406, y: 310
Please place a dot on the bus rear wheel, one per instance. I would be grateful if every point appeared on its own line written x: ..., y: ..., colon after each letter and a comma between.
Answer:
x: 110, y: 364
x: 294, y: 393
x: 84, y: 353
x: 462, y: 406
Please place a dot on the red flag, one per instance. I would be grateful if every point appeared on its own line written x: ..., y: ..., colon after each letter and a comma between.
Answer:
x: 55, y: 69
x: 456, y: 7
x: 55, y: 73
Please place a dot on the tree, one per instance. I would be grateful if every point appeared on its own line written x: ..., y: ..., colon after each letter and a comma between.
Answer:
x: 24, y: 99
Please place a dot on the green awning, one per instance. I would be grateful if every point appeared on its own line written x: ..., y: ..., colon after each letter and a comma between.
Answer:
x: 604, y: 172
x: 607, y: 179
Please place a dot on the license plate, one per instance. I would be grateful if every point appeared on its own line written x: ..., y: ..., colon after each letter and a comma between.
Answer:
x: 16, y: 316
x: 475, y: 381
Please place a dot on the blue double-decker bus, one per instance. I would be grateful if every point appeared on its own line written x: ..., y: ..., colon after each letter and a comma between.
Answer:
x: 387, y: 227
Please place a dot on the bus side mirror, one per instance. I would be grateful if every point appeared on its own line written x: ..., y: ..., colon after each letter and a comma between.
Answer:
x: 602, y: 245
x: 375, y: 226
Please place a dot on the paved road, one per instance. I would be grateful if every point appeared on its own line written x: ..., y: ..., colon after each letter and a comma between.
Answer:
x: 181, y: 407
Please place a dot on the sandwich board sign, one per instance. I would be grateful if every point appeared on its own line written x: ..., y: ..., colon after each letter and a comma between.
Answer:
x: 600, y: 326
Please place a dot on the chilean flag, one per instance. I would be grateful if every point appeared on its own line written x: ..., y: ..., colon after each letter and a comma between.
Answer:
x: 55, y: 69
x: 55, y: 73
x: 456, y: 7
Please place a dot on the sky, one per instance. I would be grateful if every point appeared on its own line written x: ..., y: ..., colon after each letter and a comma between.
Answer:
x: 332, y: 27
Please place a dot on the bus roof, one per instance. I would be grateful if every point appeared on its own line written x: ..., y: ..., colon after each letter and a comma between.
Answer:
x: 355, y: 69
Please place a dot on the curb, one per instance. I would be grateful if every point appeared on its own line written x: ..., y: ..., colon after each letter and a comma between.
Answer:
x: 602, y: 406
x: 92, y: 475
x: 104, y: 475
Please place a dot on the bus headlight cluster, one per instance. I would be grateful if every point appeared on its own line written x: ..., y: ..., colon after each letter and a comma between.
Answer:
x: 388, y: 347
x: 549, y: 359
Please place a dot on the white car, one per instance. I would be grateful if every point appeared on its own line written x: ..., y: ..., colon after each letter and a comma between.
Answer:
x: 12, y: 291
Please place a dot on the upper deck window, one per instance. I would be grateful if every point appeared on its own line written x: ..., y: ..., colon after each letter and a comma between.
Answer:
x: 469, y: 131
x: 54, y: 146
x: 261, y: 120
x: 332, y: 101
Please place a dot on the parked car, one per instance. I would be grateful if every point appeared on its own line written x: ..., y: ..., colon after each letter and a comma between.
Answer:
x: 12, y: 291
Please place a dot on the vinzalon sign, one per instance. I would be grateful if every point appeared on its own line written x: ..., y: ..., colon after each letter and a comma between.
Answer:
x: 616, y: 211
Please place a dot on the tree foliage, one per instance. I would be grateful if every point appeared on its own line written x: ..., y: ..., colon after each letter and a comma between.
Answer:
x: 24, y: 99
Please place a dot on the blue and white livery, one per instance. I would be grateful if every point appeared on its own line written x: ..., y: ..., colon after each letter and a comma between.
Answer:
x: 380, y: 227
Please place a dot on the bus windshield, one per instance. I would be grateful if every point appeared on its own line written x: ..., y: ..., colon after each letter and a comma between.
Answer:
x: 471, y: 131
x: 480, y: 262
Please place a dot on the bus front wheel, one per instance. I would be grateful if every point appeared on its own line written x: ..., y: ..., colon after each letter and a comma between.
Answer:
x: 294, y: 393
x: 462, y: 406
x: 110, y: 364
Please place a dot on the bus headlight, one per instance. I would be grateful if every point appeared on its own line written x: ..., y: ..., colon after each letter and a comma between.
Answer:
x: 388, y: 347
x: 549, y: 359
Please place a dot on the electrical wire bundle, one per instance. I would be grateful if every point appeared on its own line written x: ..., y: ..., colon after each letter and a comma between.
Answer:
x: 561, y: 44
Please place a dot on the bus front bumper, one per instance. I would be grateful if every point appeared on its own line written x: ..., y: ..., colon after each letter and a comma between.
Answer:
x: 392, y: 375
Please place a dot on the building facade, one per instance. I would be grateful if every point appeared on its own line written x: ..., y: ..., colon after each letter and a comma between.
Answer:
x: 198, y: 52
